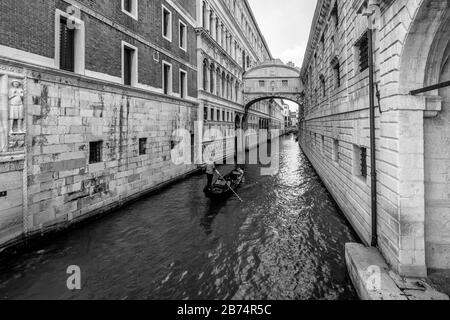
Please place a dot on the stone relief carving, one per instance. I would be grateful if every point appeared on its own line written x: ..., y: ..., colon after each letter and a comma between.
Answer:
x: 12, y: 112
x: 16, y: 109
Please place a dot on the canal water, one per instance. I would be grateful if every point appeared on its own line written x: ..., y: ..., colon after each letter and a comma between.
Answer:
x: 285, y: 241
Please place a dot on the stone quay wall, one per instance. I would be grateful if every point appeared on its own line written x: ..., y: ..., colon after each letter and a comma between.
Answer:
x: 411, y: 45
x: 51, y: 182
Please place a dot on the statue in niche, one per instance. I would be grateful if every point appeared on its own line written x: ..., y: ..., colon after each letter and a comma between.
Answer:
x: 16, y: 106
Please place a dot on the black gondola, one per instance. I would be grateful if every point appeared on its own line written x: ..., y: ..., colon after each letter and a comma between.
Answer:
x: 224, y: 186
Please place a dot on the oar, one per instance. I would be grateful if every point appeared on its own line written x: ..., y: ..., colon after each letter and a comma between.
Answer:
x: 229, y: 186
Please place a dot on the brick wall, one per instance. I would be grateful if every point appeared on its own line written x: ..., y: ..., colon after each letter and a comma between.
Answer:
x: 30, y: 26
x: 62, y: 184
x: 66, y: 112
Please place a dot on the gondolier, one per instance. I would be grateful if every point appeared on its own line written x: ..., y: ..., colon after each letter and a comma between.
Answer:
x: 210, y: 169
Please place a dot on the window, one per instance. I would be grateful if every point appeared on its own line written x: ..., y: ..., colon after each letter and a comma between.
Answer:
x: 167, y: 24
x: 130, y: 7
x: 142, y: 146
x: 335, y: 14
x: 262, y: 83
x: 67, y: 46
x: 183, y: 35
x: 360, y: 162
x: 335, y: 150
x: 205, y: 75
x: 183, y: 84
x: 323, y: 86
x: 129, y: 63
x: 69, y: 43
x: 95, y: 151
x: 167, y: 78
x: 362, y: 50
x: 218, y: 115
x: 223, y: 116
x: 285, y: 83
x: 337, y: 74
x: 211, y: 78
x: 323, y: 144
x: 205, y: 113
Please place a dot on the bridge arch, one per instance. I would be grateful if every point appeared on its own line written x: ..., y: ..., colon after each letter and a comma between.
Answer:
x: 272, y: 80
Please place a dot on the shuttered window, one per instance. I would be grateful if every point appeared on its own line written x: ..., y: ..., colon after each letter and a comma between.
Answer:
x: 67, y: 47
x: 127, y: 65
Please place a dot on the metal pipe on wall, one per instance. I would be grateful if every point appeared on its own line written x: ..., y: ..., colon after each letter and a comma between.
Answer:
x: 373, y: 164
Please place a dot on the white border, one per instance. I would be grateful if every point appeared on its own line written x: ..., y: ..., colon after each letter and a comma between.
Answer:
x: 80, y: 35
x: 134, y: 9
x: 169, y: 38
x: 185, y: 33
x: 170, y: 82
x: 185, y: 86
x: 134, y: 66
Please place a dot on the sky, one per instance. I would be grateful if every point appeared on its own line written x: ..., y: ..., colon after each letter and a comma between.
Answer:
x: 285, y: 25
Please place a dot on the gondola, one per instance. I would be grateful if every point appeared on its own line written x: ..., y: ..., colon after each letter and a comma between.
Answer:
x: 224, y: 186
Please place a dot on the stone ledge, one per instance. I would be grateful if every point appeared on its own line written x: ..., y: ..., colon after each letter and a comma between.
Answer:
x: 373, y: 280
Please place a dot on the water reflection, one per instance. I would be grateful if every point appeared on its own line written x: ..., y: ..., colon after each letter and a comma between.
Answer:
x: 286, y: 241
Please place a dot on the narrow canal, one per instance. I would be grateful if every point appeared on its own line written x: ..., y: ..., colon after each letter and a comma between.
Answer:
x: 286, y: 241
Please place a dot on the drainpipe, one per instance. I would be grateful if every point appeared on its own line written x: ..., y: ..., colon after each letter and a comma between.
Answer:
x: 374, y: 210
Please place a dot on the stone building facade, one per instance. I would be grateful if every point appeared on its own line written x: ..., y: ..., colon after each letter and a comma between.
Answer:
x: 229, y: 43
x: 90, y: 95
x: 411, y: 51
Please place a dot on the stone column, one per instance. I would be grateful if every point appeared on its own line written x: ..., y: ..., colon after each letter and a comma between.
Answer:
x: 4, y: 114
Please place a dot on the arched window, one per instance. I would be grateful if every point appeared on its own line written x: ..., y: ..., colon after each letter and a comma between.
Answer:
x: 336, y: 72
x: 224, y: 92
x: 205, y: 75
x: 323, y: 86
x: 218, y: 85
x: 236, y: 91
x: 211, y: 77
x: 211, y: 17
x: 216, y: 32
x: 205, y: 17
x: 228, y: 87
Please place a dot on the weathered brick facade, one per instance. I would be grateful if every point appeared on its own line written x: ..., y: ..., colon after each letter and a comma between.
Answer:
x: 47, y: 179
x: 411, y: 45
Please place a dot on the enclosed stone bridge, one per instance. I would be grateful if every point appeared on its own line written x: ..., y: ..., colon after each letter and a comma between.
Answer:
x: 272, y: 80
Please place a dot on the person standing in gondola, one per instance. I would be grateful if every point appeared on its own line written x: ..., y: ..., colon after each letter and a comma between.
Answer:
x: 210, y: 169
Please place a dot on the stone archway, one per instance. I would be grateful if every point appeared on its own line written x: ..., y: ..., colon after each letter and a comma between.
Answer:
x: 272, y: 80
x: 425, y: 62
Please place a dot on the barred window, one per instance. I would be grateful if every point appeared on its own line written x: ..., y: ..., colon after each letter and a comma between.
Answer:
x: 142, y: 146
x: 362, y: 47
x: 360, y: 162
x: 336, y: 150
x: 364, y: 162
x: 337, y: 74
x: 95, y: 151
